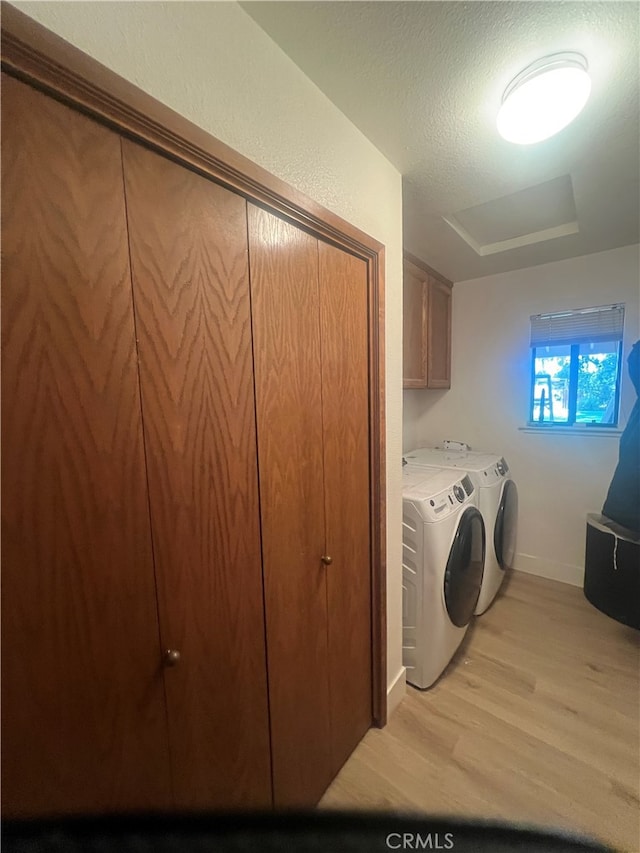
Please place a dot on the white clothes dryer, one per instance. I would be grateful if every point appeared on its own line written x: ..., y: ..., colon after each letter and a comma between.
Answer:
x: 497, y: 501
x: 443, y: 544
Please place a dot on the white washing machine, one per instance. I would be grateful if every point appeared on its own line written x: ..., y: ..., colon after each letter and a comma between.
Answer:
x: 497, y: 501
x: 443, y: 544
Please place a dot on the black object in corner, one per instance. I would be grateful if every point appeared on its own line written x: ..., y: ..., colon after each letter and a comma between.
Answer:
x: 287, y: 832
x: 622, y: 504
x: 612, y: 570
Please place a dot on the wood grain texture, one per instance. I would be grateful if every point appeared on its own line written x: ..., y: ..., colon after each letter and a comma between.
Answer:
x: 438, y: 334
x: 286, y: 340
x: 190, y: 273
x: 33, y: 53
x: 83, y: 720
x: 414, y: 337
x: 536, y: 720
x: 345, y: 416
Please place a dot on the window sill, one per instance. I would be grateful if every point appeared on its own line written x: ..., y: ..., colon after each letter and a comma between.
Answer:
x: 571, y: 430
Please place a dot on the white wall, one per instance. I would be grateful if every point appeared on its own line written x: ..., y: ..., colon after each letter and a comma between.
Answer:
x: 560, y: 476
x: 213, y: 64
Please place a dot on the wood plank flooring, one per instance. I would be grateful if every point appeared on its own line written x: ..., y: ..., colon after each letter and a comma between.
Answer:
x: 536, y: 720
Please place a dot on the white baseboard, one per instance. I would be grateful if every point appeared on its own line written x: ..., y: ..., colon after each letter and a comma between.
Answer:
x: 396, y: 691
x: 543, y: 568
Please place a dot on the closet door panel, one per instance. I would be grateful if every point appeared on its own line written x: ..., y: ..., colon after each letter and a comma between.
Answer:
x: 83, y: 715
x: 190, y: 271
x: 345, y: 407
x: 286, y: 338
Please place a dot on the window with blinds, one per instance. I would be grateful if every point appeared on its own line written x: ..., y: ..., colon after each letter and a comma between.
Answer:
x: 576, y: 361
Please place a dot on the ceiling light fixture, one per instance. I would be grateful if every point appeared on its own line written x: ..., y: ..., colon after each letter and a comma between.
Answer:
x: 544, y: 98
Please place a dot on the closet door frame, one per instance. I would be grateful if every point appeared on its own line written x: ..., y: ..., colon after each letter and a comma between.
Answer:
x: 37, y: 56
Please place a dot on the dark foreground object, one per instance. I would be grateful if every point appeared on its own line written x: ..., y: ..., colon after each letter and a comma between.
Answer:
x: 612, y: 570
x: 622, y: 504
x: 313, y: 832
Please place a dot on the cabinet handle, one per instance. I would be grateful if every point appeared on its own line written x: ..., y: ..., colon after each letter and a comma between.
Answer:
x: 327, y: 560
x: 171, y: 657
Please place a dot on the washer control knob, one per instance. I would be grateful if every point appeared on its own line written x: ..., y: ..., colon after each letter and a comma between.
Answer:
x: 458, y: 491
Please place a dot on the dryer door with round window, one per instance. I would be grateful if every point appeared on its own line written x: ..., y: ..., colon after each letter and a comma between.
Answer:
x: 504, y: 534
x: 465, y: 566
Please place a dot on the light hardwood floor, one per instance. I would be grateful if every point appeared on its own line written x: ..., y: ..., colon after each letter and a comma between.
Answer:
x: 535, y: 720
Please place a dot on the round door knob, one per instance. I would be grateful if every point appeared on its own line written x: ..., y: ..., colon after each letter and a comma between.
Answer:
x: 327, y: 560
x: 171, y: 657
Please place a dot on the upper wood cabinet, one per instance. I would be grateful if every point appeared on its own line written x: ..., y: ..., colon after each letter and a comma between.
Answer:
x: 426, y: 327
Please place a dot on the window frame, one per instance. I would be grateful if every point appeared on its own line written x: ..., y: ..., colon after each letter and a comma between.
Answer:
x: 573, y: 393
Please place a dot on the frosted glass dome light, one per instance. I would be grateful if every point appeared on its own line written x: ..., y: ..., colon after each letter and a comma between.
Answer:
x: 544, y: 98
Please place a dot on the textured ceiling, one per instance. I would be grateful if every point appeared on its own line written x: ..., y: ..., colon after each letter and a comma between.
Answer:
x: 423, y: 81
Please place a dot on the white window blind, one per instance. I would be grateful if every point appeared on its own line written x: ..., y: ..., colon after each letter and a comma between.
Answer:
x: 579, y: 326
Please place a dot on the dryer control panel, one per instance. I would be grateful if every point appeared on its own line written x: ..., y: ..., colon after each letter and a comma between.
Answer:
x: 436, y: 493
x: 502, y: 467
x: 493, y: 474
x: 439, y: 506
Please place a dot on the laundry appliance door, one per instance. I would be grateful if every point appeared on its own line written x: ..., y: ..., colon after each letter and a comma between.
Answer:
x: 504, y: 534
x: 465, y: 567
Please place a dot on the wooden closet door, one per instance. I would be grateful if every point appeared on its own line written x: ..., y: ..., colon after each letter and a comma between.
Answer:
x: 83, y: 713
x: 190, y: 272
x: 345, y: 408
x: 286, y: 340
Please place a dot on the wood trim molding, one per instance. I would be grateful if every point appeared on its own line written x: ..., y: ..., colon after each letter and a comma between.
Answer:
x: 378, y: 479
x: 39, y: 57
x: 426, y: 268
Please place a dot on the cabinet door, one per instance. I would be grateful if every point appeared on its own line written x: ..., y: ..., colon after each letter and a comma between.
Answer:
x: 83, y: 713
x: 190, y: 272
x: 286, y: 341
x: 439, y: 334
x: 345, y: 407
x: 414, y: 345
